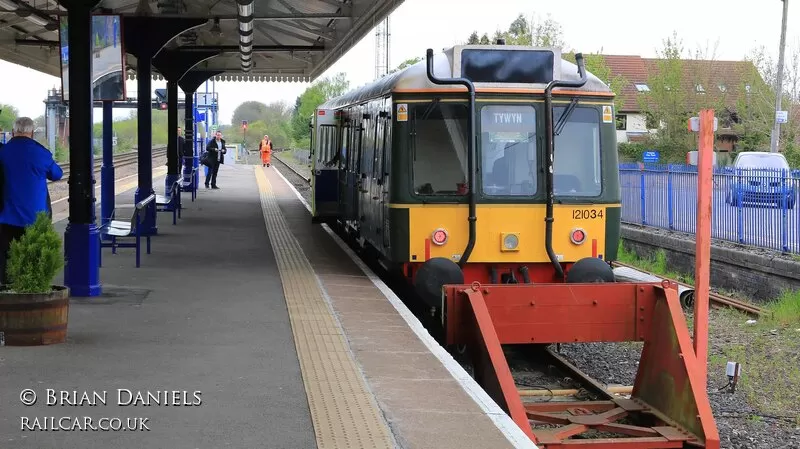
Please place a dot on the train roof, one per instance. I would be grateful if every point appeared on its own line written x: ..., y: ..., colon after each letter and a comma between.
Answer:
x: 448, y: 65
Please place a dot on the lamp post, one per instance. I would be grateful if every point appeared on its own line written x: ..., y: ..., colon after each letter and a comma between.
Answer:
x: 779, y: 88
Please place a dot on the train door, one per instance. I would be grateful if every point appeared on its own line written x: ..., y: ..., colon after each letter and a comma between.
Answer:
x: 344, y: 167
x: 324, y: 181
x: 367, y: 152
x: 376, y: 189
x: 354, y: 173
x: 386, y: 172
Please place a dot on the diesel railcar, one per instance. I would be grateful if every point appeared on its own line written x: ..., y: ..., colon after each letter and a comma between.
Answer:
x: 499, y: 159
x: 487, y: 166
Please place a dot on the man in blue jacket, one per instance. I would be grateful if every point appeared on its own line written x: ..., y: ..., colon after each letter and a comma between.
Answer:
x: 26, y: 166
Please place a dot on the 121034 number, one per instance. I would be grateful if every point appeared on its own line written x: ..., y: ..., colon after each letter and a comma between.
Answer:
x: 585, y: 214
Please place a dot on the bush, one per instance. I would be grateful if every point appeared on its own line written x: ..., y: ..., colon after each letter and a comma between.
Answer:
x: 631, y: 151
x: 35, y: 258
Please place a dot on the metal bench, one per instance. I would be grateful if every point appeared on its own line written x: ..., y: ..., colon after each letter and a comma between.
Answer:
x: 187, y: 182
x: 170, y: 203
x: 118, y: 229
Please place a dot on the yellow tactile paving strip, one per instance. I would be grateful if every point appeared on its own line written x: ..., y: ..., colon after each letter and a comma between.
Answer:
x: 343, y: 410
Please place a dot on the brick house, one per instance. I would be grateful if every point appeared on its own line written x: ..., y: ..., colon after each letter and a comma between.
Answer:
x: 721, y: 82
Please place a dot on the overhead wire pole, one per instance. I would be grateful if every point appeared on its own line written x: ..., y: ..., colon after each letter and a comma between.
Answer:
x: 779, y: 87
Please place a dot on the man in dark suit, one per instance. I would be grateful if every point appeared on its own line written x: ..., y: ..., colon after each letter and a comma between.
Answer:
x: 216, y: 149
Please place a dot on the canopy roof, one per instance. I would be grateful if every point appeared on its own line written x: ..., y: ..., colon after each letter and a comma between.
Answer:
x: 294, y: 40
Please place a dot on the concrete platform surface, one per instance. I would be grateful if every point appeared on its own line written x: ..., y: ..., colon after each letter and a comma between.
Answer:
x: 247, y: 327
x: 204, y: 313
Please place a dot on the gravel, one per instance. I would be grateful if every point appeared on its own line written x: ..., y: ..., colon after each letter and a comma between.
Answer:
x: 741, y: 423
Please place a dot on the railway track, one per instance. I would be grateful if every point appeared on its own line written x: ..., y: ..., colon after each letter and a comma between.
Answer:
x: 120, y: 160
x: 716, y: 299
x: 289, y: 166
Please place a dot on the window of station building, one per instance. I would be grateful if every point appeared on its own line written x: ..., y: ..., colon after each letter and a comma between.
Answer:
x: 622, y: 122
x: 509, y: 159
x: 577, y: 162
x: 439, y: 148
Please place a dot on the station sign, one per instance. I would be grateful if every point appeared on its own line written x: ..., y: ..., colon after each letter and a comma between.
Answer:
x: 651, y: 156
x: 204, y: 99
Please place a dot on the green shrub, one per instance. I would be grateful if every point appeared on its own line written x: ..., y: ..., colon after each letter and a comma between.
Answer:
x: 35, y: 258
x: 631, y: 151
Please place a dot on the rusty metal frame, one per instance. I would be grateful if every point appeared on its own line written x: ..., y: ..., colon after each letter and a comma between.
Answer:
x: 669, y: 405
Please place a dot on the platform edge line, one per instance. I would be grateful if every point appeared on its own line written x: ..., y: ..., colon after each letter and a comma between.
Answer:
x: 501, y: 420
x: 265, y: 189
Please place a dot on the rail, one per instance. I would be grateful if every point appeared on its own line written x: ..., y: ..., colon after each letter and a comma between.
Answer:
x: 120, y: 160
x: 716, y: 299
x: 294, y: 170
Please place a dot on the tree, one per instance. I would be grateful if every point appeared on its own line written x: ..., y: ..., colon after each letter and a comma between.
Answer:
x: 407, y: 63
x: 485, y: 39
x: 8, y: 114
x: 250, y: 111
x: 473, y: 38
x: 536, y: 32
x: 756, y: 108
x: 310, y: 99
x: 666, y: 102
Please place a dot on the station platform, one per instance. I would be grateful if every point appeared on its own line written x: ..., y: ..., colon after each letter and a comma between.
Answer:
x: 278, y: 335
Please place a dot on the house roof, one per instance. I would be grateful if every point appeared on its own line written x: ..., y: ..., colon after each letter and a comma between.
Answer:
x: 724, y: 80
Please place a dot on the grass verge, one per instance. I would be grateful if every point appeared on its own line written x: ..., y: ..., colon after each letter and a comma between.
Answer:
x: 767, y: 349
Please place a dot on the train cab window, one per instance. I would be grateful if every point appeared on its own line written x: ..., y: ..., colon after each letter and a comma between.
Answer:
x: 508, y: 152
x: 328, y: 145
x: 439, y: 148
x: 577, y: 164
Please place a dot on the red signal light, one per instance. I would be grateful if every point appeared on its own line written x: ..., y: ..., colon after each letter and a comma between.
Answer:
x: 439, y: 237
x: 578, y: 236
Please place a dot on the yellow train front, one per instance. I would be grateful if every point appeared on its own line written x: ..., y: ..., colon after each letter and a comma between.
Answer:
x: 444, y: 169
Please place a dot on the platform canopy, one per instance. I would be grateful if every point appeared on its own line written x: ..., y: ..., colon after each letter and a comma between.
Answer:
x: 293, y: 40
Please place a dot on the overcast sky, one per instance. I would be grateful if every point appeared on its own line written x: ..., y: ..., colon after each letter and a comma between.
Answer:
x: 632, y: 27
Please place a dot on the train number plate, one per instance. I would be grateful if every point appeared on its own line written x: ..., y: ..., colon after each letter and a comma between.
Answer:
x: 587, y: 214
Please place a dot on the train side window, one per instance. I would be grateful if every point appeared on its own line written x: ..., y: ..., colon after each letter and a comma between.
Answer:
x: 577, y: 162
x: 439, y: 148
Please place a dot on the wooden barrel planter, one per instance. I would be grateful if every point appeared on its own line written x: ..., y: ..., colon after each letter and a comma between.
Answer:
x: 33, y: 319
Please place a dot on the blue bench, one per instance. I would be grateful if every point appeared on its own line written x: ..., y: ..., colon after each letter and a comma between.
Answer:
x: 187, y: 182
x: 118, y: 229
x: 170, y: 203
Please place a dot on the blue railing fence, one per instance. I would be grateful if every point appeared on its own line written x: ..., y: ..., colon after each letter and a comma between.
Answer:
x: 755, y: 207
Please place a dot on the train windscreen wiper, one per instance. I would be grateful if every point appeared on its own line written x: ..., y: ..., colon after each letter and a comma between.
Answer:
x: 429, y: 109
x: 562, y: 121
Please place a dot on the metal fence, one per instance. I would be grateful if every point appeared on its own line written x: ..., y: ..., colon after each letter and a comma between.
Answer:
x: 749, y: 206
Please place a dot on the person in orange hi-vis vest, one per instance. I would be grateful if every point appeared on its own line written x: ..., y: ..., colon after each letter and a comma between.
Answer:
x: 265, y: 147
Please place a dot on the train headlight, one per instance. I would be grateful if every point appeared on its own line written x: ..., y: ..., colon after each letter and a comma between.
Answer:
x: 439, y: 237
x: 509, y: 241
x: 577, y: 236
